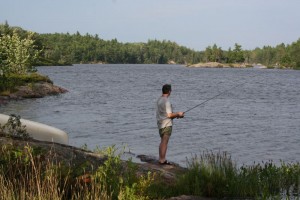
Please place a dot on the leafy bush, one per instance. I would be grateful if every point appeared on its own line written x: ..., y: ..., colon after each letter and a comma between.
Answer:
x: 122, y: 179
x: 14, y: 127
x: 17, y: 55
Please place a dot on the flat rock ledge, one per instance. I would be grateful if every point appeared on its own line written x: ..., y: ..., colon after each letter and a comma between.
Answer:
x: 219, y: 65
x: 33, y: 90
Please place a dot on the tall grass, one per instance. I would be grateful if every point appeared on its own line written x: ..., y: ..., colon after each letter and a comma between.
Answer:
x: 30, y: 173
x: 24, y: 174
x: 216, y: 175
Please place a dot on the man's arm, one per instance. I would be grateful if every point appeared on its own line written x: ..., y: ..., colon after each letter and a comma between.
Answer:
x: 176, y: 115
x: 170, y: 113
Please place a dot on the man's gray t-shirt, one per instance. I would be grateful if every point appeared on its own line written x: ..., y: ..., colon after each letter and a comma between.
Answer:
x: 163, y: 107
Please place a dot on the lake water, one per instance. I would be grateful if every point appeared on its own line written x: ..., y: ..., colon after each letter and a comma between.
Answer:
x: 258, y: 120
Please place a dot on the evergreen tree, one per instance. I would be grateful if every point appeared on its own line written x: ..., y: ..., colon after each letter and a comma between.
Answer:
x: 238, y: 55
x: 294, y: 54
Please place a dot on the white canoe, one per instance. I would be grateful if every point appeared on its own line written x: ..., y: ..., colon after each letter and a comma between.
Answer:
x: 40, y: 131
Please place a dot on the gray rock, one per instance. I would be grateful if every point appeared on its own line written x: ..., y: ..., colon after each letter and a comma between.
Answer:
x: 38, y: 90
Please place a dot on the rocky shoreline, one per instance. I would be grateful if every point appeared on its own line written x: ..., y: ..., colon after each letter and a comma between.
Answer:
x: 32, y: 90
x: 220, y: 65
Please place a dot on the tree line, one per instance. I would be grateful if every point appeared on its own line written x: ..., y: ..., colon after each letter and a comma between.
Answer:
x: 281, y: 56
x: 65, y: 49
x: 77, y: 48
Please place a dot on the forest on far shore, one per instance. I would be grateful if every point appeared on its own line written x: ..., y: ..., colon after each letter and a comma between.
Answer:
x: 67, y: 49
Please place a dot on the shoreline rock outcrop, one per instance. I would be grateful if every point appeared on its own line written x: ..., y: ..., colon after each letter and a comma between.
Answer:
x: 33, y: 90
x: 220, y: 65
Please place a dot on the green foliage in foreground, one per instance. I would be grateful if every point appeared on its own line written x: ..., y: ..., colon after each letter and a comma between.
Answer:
x: 215, y: 175
x: 14, y: 128
x: 34, y: 173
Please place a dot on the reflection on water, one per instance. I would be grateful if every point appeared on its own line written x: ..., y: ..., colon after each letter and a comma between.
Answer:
x: 115, y: 104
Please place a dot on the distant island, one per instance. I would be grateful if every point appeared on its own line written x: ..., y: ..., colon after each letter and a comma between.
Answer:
x: 227, y: 65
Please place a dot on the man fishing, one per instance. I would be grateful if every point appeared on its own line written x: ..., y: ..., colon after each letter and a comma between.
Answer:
x: 165, y: 116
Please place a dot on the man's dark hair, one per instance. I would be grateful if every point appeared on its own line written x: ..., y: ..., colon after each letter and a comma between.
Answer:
x: 166, y: 88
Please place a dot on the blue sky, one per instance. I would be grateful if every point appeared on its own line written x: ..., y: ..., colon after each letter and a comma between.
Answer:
x: 192, y: 23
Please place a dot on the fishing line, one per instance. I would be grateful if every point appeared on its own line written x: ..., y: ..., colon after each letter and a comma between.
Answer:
x: 213, y: 97
x: 219, y: 94
x: 210, y: 99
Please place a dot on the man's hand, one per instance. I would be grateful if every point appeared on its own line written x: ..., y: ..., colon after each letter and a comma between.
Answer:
x: 176, y: 115
x: 180, y: 115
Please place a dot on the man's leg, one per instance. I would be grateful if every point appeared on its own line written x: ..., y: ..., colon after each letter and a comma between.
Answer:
x: 163, y: 148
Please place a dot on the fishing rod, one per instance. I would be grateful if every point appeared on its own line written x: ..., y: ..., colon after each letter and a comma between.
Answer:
x: 213, y: 97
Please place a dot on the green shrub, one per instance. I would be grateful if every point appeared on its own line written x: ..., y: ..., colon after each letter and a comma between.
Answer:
x: 210, y: 175
x: 14, y: 127
x: 122, y: 178
x: 215, y: 175
x: 297, y: 67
